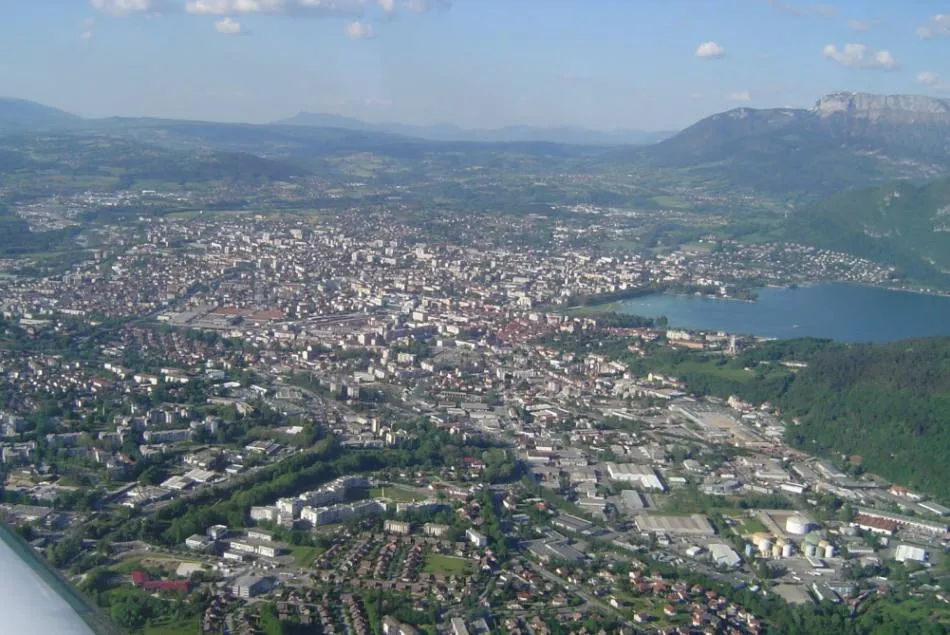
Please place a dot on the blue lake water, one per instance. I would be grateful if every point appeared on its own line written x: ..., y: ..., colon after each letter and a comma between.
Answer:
x: 844, y: 312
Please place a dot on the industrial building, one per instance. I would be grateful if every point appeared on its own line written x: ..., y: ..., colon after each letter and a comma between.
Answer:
x: 692, y: 525
x: 250, y: 586
x: 642, y: 475
x: 724, y: 556
x: 909, y: 552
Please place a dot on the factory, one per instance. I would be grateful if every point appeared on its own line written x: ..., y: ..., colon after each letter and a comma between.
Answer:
x: 642, y: 475
x: 691, y: 525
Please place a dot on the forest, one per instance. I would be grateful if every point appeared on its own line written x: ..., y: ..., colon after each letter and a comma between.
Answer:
x: 888, y: 404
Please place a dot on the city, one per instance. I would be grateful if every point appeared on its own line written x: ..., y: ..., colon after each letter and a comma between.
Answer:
x: 339, y: 423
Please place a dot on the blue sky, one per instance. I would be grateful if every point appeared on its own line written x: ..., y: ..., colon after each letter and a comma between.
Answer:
x: 650, y: 64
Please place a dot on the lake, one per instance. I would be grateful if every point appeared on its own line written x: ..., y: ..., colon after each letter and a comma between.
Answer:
x: 844, y: 312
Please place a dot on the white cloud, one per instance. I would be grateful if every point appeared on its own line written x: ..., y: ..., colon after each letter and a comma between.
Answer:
x: 933, y: 80
x: 225, y: 7
x: 937, y: 26
x: 710, y: 51
x: 741, y: 95
x: 823, y: 10
x: 88, y: 23
x: 859, y: 25
x: 860, y: 56
x: 125, y: 7
x: 357, y: 30
x: 356, y: 12
x: 420, y: 6
x: 228, y: 26
x: 85, y: 36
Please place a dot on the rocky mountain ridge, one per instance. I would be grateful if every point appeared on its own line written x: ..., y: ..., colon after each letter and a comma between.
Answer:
x: 870, y: 106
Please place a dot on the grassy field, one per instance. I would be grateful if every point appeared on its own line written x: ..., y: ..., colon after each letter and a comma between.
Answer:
x: 396, y: 494
x: 304, y: 556
x: 711, y: 368
x: 184, y: 626
x: 753, y: 526
x: 447, y: 565
x: 673, y: 202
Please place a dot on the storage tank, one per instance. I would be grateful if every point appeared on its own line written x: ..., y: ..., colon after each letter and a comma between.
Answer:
x: 765, y: 547
x: 830, y: 551
x: 787, y: 550
x: 776, y: 550
x: 759, y: 536
x: 809, y: 550
x: 797, y: 525
x: 749, y: 548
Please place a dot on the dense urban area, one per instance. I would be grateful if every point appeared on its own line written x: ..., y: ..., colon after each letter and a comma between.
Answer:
x: 384, y: 420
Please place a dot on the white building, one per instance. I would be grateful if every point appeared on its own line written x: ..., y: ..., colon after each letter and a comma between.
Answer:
x: 396, y: 527
x: 909, y: 552
x: 642, y: 475
x: 476, y: 538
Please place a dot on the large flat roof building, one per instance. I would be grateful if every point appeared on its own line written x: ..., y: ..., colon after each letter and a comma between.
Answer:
x: 642, y: 475
x: 691, y: 525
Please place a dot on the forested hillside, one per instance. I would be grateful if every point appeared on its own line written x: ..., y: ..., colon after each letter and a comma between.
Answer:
x: 899, y: 224
x: 888, y: 404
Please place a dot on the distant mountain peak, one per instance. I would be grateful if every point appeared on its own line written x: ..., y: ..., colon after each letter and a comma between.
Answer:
x: 24, y: 113
x: 873, y: 106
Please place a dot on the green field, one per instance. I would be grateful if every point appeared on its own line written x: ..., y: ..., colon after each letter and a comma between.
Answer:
x: 712, y: 368
x: 447, y: 565
x: 185, y: 626
x: 396, y: 494
x: 304, y: 556
x: 753, y: 526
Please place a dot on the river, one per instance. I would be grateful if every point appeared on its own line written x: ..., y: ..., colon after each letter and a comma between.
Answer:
x: 844, y: 312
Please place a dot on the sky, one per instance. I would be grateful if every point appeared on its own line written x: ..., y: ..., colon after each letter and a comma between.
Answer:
x: 602, y: 64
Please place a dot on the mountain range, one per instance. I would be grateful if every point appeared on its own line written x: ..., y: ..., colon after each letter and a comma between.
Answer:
x: 845, y: 140
x: 23, y: 114
x: 868, y: 174
x: 900, y: 223
x: 20, y: 113
x: 450, y: 132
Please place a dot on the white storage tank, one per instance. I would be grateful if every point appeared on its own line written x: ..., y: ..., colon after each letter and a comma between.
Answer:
x: 765, y: 547
x: 830, y: 551
x: 787, y: 550
x: 797, y: 525
x: 809, y: 550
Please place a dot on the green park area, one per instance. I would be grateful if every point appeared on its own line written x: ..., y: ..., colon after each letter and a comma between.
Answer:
x: 396, y: 494
x: 304, y: 555
x: 187, y: 625
x: 447, y: 565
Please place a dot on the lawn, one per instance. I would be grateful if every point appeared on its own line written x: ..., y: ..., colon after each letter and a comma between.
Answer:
x: 396, y: 494
x: 710, y: 367
x: 753, y: 526
x: 304, y: 556
x: 184, y: 626
x: 447, y: 565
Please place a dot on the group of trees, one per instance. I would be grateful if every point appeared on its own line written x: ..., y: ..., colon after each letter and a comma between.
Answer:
x: 888, y: 404
x: 230, y: 503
